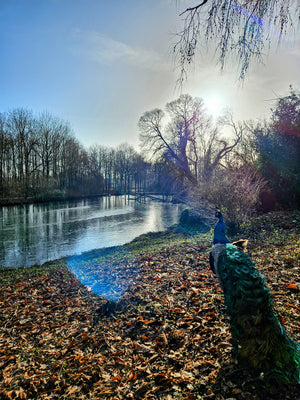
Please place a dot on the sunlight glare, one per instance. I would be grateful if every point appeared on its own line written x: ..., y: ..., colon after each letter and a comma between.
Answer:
x: 214, y: 105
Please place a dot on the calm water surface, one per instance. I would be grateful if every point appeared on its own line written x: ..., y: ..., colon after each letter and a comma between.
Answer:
x: 36, y: 233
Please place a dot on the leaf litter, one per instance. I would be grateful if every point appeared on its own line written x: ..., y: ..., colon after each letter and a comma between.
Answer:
x: 167, y: 337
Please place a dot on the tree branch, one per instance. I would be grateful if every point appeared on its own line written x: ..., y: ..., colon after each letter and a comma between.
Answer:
x: 194, y: 8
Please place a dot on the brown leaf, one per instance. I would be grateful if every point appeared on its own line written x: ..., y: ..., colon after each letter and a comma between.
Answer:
x: 132, y: 376
x: 73, y: 389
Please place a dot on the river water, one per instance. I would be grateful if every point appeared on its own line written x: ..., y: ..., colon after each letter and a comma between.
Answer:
x: 36, y: 233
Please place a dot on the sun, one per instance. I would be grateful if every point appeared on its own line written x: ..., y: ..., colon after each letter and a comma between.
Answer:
x: 214, y: 104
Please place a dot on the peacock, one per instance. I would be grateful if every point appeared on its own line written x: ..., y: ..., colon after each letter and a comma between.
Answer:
x: 258, y: 338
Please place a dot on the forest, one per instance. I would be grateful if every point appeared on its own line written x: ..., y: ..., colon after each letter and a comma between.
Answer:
x: 242, y: 167
x: 41, y: 159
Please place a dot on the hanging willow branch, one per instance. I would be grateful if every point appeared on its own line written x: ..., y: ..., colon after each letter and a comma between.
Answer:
x: 241, y: 28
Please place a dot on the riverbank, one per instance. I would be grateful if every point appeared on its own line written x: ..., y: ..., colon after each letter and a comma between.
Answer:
x: 62, y: 197
x: 47, y: 198
x: 168, y: 337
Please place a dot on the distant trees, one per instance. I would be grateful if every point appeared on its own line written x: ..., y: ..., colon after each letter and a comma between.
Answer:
x: 20, y: 125
x: 36, y: 154
x: 243, y: 28
x: 5, y: 153
x: 122, y: 168
x: 51, y: 132
x: 41, y: 158
x: 187, y: 154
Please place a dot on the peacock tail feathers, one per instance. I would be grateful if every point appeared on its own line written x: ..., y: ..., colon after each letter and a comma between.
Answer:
x: 258, y: 337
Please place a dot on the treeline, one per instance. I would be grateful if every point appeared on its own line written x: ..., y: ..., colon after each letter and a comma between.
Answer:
x: 253, y: 167
x: 41, y: 159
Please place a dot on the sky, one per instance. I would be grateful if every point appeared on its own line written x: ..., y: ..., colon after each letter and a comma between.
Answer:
x: 101, y: 64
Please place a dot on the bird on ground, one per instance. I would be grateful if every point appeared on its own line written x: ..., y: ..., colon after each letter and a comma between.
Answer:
x: 259, y: 340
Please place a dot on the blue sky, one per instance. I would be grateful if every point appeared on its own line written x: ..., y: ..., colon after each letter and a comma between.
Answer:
x: 100, y: 64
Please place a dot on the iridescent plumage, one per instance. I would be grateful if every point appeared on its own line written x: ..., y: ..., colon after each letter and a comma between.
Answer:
x: 258, y: 338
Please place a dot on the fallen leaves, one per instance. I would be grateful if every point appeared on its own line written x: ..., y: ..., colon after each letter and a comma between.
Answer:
x: 292, y: 286
x: 167, y: 338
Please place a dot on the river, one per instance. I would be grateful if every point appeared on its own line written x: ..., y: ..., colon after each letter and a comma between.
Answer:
x: 35, y: 233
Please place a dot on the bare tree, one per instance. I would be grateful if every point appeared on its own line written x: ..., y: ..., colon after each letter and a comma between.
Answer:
x: 4, y: 151
x: 49, y: 130
x: 190, y: 140
x: 176, y: 140
x: 241, y: 27
x: 20, y: 123
x: 236, y: 190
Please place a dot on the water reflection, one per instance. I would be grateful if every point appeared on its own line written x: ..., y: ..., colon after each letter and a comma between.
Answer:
x: 36, y: 233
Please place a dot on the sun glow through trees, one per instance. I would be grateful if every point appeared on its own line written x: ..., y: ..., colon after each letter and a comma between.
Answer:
x: 214, y: 104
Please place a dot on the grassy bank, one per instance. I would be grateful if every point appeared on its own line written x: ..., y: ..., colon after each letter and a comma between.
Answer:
x: 168, y: 337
